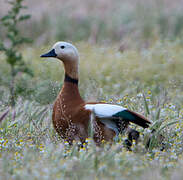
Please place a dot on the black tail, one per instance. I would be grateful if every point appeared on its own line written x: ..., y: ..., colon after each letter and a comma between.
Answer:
x: 138, y: 119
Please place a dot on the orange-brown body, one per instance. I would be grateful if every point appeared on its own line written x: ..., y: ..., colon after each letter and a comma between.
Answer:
x: 71, y: 119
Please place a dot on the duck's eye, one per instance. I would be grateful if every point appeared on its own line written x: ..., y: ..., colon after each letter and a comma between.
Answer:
x: 62, y: 47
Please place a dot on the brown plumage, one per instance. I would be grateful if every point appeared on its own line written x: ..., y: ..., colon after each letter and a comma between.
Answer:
x: 72, y: 116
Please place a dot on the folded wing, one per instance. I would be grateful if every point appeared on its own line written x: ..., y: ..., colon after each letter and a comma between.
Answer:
x: 109, y: 114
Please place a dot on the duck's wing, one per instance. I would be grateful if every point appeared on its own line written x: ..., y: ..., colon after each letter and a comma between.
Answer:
x: 111, y: 113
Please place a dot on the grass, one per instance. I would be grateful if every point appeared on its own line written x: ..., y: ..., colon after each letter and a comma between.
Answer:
x: 148, y: 81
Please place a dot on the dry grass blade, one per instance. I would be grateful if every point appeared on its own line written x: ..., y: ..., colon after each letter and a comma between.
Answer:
x: 5, y: 113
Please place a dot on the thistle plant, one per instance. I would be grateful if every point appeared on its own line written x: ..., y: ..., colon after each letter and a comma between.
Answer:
x: 14, y: 40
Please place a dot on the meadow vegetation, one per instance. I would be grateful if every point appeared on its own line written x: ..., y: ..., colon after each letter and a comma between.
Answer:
x: 142, y: 72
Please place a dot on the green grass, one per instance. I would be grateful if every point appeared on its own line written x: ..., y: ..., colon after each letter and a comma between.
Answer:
x: 149, y: 81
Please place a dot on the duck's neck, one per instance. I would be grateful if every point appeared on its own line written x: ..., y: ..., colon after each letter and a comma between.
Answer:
x: 69, y: 93
x: 71, y: 69
x: 70, y: 90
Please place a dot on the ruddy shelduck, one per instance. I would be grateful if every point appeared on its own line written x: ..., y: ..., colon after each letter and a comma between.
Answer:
x: 72, y: 116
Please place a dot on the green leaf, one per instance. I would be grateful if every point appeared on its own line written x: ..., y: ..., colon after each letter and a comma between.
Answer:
x: 158, y: 113
x: 7, y: 17
x: 2, y: 47
x: 24, y: 17
x: 146, y: 105
x: 156, y: 125
x: 167, y: 125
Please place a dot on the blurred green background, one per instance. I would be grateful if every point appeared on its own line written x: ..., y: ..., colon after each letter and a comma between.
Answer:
x: 122, y: 44
x: 103, y: 21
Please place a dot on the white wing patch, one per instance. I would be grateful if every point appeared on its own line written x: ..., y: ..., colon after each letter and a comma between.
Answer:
x: 104, y: 110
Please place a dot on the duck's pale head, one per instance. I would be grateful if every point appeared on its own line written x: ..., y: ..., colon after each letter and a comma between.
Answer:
x: 64, y: 51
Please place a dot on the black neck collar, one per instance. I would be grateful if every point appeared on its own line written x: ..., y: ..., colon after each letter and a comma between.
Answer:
x: 71, y: 80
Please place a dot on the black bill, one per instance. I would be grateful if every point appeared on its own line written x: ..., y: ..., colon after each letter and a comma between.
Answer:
x: 50, y: 54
